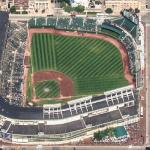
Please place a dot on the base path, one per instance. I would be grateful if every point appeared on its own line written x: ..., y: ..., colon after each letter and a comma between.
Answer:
x: 115, y: 42
x: 65, y: 83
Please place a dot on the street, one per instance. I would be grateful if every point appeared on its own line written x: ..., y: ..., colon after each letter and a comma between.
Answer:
x: 146, y: 20
x: 39, y: 147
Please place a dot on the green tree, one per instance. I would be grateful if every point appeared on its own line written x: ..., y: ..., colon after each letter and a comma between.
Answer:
x: 62, y: 4
x: 109, y: 11
x: 68, y: 8
x: 66, y: 1
x: 110, y: 131
x: 24, y: 12
x: 8, y: 5
x: 96, y: 135
x: 13, y: 9
x: 102, y: 134
x: 79, y: 8
x: 36, y: 11
x: 137, y: 10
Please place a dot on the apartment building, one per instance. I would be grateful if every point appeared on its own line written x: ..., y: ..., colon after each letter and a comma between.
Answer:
x: 42, y: 5
x: 118, y: 5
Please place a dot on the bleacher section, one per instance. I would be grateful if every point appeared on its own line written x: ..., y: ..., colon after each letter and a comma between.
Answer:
x: 50, y: 22
x: 63, y: 23
x: 85, y: 24
x: 40, y: 22
x: 67, y: 23
x: 76, y: 24
x: 90, y: 25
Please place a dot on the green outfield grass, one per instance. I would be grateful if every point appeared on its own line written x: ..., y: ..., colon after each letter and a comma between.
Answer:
x: 46, y: 89
x: 94, y: 65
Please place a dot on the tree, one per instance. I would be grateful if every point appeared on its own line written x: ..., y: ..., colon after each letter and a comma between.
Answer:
x: 13, y: 9
x: 8, y: 5
x: 62, y: 4
x: 109, y: 11
x: 79, y: 8
x: 43, y: 11
x: 66, y: 1
x: 96, y: 135
x: 99, y: 135
x: 68, y: 8
x: 110, y: 131
x: 137, y: 10
x: 24, y: 12
x: 36, y: 10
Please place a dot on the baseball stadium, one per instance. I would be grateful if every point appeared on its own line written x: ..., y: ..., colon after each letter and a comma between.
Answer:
x: 79, y: 76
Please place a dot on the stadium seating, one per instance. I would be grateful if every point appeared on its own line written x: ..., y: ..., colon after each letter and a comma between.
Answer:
x: 119, y: 21
x: 90, y: 25
x: 51, y: 21
x: 76, y: 24
x: 108, y: 26
x: 40, y: 22
x: 128, y: 25
x: 63, y: 23
x: 31, y: 23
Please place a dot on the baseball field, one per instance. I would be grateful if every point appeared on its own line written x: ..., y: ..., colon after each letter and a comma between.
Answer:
x: 91, y: 65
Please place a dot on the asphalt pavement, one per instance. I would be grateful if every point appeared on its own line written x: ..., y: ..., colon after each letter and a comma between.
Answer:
x: 39, y: 147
